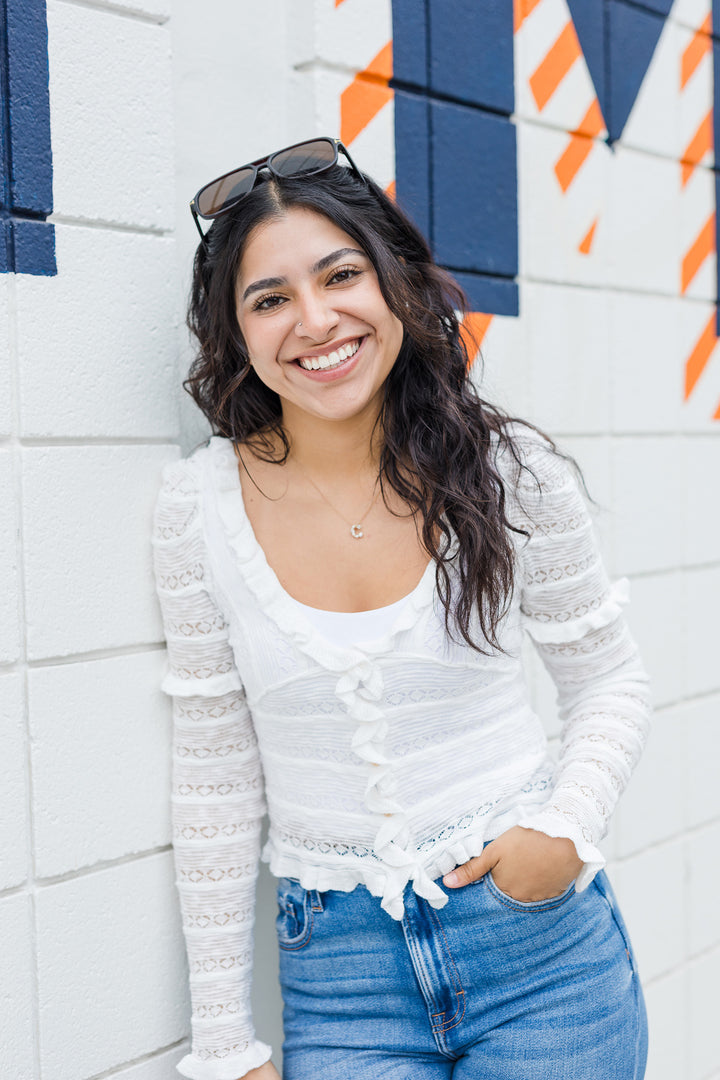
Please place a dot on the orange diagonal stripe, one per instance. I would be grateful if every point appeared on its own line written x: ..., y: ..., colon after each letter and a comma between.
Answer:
x: 522, y: 10
x: 697, y: 148
x: 390, y: 191
x: 580, y: 145
x: 701, y: 43
x: 698, y: 358
x: 586, y: 242
x: 472, y: 331
x: 716, y: 414
x: 696, y: 255
x: 365, y: 96
x: 551, y: 70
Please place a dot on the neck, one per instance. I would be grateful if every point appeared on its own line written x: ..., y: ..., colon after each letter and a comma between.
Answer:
x: 328, y: 448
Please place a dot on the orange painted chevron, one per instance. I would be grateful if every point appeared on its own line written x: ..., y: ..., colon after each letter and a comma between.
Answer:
x: 586, y: 243
x: 581, y: 143
x: 700, y: 144
x: 473, y: 329
x: 697, y: 253
x: 698, y: 358
x: 522, y: 9
x: 700, y: 44
x: 363, y: 99
x: 555, y: 65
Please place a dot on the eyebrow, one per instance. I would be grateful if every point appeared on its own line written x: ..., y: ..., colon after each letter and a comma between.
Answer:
x: 320, y: 265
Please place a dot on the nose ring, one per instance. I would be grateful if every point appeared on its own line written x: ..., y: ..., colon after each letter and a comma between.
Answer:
x: 299, y: 324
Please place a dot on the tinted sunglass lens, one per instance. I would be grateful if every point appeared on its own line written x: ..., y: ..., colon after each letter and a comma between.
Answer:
x: 309, y: 158
x: 215, y: 196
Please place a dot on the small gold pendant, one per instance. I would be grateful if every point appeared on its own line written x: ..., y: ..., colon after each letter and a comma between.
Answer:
x: 356, y: 532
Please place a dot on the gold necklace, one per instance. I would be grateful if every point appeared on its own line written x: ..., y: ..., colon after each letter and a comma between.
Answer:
x: 356, y: 530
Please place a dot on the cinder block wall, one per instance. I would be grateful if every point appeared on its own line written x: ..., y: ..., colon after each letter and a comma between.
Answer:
x: 91, y: 964
x: 144, y: 108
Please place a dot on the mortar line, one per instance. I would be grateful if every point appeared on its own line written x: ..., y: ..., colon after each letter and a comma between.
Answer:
x: 119, y: 9
x: 102, y: 864
x: 106, y: 225
x: 96, y: 654
x: 119, y: 1070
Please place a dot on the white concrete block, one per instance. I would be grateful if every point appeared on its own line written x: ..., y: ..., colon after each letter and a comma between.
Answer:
x: 703, y: 666
x: 666, y: 1000
x: 100, y: 760
x: 645, y: 354
x: 7, y: 417
x: 704, y: 889
x: 9, y: 572
x: 567, y: 357
x: 702, y: 514
x: 657, y: 619
x: 13, y: 813
x: 704, y: 979
x: 695, y: 98
x: 554, y: 222
x: 350, y: 35
x: 110, y: 965
x: 643, y: 218
x: 654, y: 121
x: 115, y: 308
x: 111, y: 116
x: 158, y: 1067
x: 652, y: 809
x: 87, y: 524
x: 703, y: 791
x: 698, y: 367
x: 16, y: 990
x: 501, y: 373
x: 648, y: 475
x: 651, y: 891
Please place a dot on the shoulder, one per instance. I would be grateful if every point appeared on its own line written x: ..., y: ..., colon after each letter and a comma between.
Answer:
x: 530, y: 465
x: 180, y: 493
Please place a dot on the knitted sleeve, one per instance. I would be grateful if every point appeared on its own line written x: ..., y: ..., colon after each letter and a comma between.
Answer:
x: 573, y: 616
x: 217, y: 799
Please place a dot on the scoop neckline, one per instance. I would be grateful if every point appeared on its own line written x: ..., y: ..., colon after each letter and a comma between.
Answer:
x: 272, y: 596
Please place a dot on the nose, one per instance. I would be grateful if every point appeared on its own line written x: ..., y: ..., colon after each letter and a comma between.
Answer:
x: 316, y: 317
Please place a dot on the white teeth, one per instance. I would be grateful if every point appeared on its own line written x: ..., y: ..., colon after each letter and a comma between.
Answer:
x: 315, y: 363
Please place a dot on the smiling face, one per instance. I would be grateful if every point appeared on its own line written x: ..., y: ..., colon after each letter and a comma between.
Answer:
x: 316, y: 325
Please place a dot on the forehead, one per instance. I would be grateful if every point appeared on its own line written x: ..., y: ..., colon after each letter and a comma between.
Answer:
x: 292, y: 242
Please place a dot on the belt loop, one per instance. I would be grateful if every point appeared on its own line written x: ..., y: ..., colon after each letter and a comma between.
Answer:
x: 315, y: 900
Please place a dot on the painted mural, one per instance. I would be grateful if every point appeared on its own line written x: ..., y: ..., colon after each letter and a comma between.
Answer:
x: 587, y: 125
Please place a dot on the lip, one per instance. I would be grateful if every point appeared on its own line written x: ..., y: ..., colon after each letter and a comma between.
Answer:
x: 339, y: 372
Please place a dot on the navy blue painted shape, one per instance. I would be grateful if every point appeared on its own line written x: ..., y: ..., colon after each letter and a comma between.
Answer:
x: 474, y: 190
x: 412, y: 164
x: 34, y: 243
x: 589, y: 19
x: 27, y: 241
x: 471, y: 51
x: 29, y: 104
x: 491, y: 294
x: 662, y: 7
x: 632, y: 37
x: 409, y: 22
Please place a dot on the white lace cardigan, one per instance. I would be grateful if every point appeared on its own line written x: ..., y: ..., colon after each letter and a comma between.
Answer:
x: 382, y: 765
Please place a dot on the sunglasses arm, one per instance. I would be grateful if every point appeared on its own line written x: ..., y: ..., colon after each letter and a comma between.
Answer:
x: 196, y: 219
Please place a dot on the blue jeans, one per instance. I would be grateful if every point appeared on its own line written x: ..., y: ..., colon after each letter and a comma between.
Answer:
x: 486, y: 988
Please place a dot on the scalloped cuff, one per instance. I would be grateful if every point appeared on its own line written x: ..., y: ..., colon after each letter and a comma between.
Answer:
x: 214, y: 686
x: 552, y: 825
x: 231, y: 1068
x: 559, y: 633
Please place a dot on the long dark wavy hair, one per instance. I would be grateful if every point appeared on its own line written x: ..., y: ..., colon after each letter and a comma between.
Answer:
x: 440, y: 440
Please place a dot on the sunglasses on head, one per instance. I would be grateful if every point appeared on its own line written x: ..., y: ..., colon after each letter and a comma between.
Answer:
x: 302, y: 159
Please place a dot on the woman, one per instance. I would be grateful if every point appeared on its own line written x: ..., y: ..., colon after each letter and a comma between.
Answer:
x: 345, y: 572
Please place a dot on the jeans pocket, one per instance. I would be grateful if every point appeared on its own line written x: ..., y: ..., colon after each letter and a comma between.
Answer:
x: 296, y: 914
x: 549, y: 904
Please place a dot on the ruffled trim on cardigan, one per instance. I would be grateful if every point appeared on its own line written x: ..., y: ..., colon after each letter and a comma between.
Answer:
x: 559, y: 633
x: 229, y: 1068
